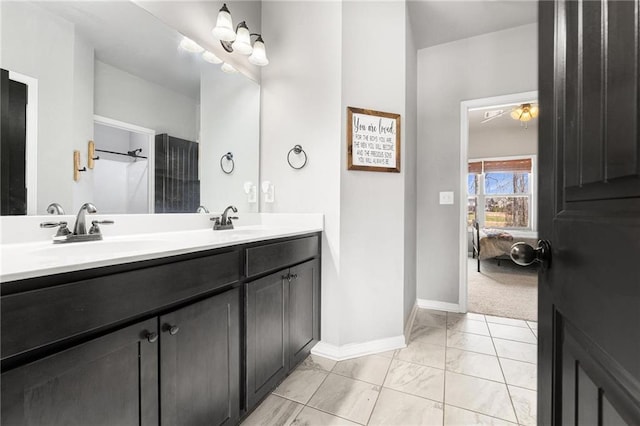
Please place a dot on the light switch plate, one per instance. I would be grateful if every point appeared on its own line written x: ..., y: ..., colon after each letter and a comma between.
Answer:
x: 446, y: 197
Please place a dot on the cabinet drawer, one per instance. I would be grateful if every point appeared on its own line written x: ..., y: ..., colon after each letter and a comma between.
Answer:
x: 278, y: 255
x: 37, y: 318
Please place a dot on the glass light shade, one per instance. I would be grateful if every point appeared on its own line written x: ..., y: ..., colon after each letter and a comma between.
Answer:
x: 211, y: 58
x: 259, y: 55
x: 229, y: 69
x: 243, y: 40
x: 516, y: 113
x: 526, y: 116
x: 223, y: 30
x: 534, y: 111
x: 190, y: 45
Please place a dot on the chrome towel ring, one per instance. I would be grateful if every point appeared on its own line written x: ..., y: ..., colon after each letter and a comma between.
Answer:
x: 230, y: 164
x: 297, y: 150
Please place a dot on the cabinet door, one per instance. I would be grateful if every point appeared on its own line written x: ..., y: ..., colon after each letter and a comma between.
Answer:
x: 111, y: 380
x: 304, y: 310
x: 200, y: 362
x: 267, y: 334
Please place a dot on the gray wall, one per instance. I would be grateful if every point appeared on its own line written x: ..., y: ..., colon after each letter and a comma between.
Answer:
x: 410, y: 168
x: 126, y: 97
x: 493, y: 64
x: 486, y: 143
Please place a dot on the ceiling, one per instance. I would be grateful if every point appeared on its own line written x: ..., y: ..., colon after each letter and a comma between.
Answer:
x: 437, y: 22
x: 503, y: 122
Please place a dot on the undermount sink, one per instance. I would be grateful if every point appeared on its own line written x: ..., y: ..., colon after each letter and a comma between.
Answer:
x: 100, y: 248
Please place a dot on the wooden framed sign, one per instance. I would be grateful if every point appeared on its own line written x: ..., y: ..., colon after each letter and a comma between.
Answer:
x: 373, y: 140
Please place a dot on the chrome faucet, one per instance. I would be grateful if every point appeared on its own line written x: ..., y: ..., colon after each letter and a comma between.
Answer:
x: 64, y: 235
x: 224, y: 222
x: 55, y: 208
x: 80, y: 227
x: 202, y: 209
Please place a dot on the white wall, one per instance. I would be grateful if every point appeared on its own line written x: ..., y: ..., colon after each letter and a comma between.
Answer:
x: 230, y: 111
x: 50, y: 41
x: 493, y: 64
x: 301, y: 104
x: 372, y: 204
x: 126, y: 97
x: 502, y: 142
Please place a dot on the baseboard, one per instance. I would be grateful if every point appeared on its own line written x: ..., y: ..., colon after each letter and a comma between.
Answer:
x: 410, y: 320
x: 354, y: 350
x: 438, y: 306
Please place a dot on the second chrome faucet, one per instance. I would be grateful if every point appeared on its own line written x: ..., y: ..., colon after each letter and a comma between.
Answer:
x: 224, y: 222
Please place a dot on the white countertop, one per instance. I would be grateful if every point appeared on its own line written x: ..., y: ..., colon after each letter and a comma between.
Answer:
x: 34, y: 259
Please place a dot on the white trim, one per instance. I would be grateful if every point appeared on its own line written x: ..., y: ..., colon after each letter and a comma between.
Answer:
x: 31, y: 143
x: 151, y: 155
x: 410, y: 320
x: 354, y: 350
x: 465, y: 107
x: 438, y: 306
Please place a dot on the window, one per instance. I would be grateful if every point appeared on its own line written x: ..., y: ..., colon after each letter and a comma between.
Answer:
x: 500, y: 193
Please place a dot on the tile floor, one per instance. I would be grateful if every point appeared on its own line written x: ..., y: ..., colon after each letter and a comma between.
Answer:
x: 458, y: 369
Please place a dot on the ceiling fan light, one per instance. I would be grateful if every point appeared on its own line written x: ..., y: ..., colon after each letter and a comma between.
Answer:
x: 223, y: 30
x: 242, y: 44
x: 516, y: 113
x: 211, y: 58
x: 259, y: 55
x: 190, y: 45
x: 534, y: 111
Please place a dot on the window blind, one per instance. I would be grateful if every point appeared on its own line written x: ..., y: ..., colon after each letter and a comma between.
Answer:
x: 518, y: 165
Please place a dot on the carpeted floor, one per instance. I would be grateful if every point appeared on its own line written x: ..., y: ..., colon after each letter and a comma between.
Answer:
x: 507, y: 290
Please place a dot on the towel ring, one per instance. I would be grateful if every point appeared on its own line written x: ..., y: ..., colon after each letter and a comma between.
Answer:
x: 229, y: 157
x: 297, y: 150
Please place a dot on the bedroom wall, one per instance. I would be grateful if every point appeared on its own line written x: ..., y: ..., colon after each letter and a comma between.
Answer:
x: 493, y: 64
x: 503, y: 142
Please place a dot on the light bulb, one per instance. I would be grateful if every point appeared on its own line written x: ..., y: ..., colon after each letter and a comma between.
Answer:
x: 259, y: 55
x: 190, y: 45
x: 223, y: 30
x: 243, y: 40
x: 211, y: 58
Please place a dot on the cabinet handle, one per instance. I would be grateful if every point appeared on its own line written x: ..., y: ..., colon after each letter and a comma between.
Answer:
x: 287, y: 277
x: 294, y: 276
x: 151, y: 337
x: 172, y: 329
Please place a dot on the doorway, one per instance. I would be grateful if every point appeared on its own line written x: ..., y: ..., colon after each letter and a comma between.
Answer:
x: 498, y: 208
x: 123, y: 172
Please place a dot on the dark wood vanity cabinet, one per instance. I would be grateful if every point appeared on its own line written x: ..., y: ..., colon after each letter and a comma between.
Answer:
x: 200, y: 362
x: 163, y: 341
x: 283, y: 315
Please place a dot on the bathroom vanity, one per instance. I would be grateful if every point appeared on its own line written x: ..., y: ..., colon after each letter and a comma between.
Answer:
x: 185, y: 336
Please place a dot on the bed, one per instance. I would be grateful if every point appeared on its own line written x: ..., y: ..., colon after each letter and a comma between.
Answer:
x: 496, y: 243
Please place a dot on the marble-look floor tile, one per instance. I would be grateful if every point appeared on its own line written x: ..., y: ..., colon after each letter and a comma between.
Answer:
x: 318, y: 363
x: 431, y: 318
x: 387, y: 354
x: 525, y: 403
x: 468, y: 326
x: 454, y: 416
x: 371, y: 368
x: 420, y: 380
x: 274, y: 411
x: 345, y: 397
x: 533, y: 325
x: 470, y: 342
x: 519, y: 351
x: 506, y: 321
x: 535, y: 333
x: 312, y: 417
x: 396, y: 408
x: 509, y: 332
x: 484, y: 396
x: 474, y: 364
x: 301, y: 384
x: 520, y: 373
x: 423, y: 353
x: 451, y: 316
x: 426, y: 334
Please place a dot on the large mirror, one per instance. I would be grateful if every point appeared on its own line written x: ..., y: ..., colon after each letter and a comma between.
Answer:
x: 170, y: 130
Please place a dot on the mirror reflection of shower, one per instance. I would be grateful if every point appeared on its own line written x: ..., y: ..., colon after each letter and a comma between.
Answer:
x: 121, y: 175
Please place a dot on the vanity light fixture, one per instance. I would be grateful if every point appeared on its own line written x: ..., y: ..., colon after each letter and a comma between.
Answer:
x: 240, y: 39
x: 228, y: 68
x: 211, y: 58
x: 190, y: 45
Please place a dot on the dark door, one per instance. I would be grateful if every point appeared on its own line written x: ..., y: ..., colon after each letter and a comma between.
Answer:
x: 111, y: 380
x: 589, y: 151
x: 13, y: 137
x: 267, y: 334
x: 304, y: 310
x: 200, y: 362
x: 177, y: 188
